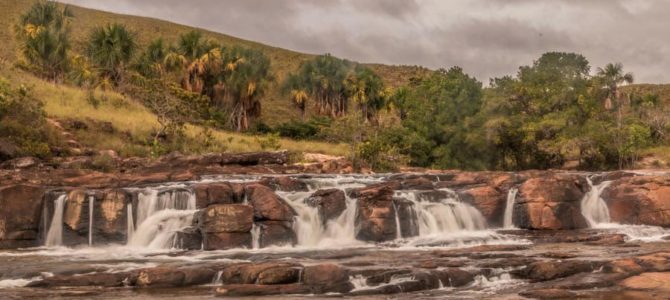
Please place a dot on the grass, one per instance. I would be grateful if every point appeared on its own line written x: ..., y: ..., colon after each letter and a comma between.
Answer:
x: 133, y: 123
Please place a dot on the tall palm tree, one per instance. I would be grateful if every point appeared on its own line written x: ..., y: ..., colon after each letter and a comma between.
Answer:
x: 246, y: 79
x: 110, y: 48
x: 366, y: 90
x: 612, y: 76
x: 196, y: 57
x: 151, y: 62
x: 43, y: 35
x: 398, y: 101
x: 297, y: 88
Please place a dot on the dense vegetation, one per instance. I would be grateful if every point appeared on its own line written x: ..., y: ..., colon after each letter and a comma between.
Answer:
x: 553, y: 113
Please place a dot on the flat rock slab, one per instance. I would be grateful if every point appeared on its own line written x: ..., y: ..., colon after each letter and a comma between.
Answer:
x: 658, y: 281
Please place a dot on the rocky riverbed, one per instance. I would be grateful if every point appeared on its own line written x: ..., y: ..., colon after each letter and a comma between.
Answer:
x: 253, y: 225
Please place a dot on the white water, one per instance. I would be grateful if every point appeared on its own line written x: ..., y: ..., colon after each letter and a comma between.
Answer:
x: 91, y: 203
x: 255, y: 236
x: 594, y: 208
x: 130, y: 231
x: 55, y: 233
x: 445, y: 216
x: 509, y: 208
x: 159, y: 217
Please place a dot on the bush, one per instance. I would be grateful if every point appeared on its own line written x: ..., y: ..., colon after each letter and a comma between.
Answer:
x: 298, y: 130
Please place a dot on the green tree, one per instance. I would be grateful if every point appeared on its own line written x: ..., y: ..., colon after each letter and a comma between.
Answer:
x: 151, y: 63
x: 197, y: 57
x: 111, y: 48
x: 366, y: 90
x: 297, y: 88
x: 43, y: 36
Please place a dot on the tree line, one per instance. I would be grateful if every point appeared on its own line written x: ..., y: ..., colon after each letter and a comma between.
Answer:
x: 551, y: 114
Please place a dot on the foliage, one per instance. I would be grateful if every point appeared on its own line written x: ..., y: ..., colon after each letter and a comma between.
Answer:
x: 111, y: 48
x: 269, y: 142
x: 43, y: 37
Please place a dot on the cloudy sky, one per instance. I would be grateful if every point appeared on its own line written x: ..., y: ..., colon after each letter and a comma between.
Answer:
x: 486, y: 37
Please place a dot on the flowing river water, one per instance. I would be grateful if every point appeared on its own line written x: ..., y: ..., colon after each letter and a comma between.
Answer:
x: 444, y: 224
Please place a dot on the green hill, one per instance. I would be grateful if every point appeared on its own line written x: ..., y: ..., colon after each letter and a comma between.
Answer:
x: 276, y: 108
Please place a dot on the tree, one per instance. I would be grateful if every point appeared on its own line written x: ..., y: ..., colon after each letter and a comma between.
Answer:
x: 245, y: 80
x: 366, y: 90
x: 296, y: 87
x: 110, y: 48
x: 399, y: 101
x: 43, y: 35
x: 151, y: 63
x: 611, y: 77
x: 196, y: 57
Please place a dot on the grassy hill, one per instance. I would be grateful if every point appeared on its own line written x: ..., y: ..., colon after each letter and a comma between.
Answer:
x: 276, y: 108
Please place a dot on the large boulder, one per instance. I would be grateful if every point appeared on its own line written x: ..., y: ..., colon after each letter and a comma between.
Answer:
x: 639, y: 200
x: 276, y: 233
x: 20, y: 211
x: 226, y: 226
x: 261, y: 273
x: 327, y: 278
x: 207, y: 194
x: 330, y: 203
x: 490, y: 201
x: 375, y: 217
x: 267, y: 205
x: 551, y: 201
x: 284, y: 183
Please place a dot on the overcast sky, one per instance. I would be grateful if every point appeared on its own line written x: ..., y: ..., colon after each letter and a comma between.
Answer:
x: 487, y: 38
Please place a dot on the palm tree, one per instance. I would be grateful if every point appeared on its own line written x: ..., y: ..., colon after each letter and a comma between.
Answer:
x: 398, y: 101
x: 611, y: 77
x: 43, y: 34
x: 297, y: 88
x: 196, y: 57
x: 366, y: 89
x: 151, y: 62
x: 110, y: 48
x: 245, y: 80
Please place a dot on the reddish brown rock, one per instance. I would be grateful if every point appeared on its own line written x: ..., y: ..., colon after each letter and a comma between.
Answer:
x: 551, y: 201
x: 188, y: 239
x: 95, y: 279
x: 268, y: 272
x: 490, y: 201
x: 160, y: 277
x: 330, y: 203
x: 327, y: 278
x: 548, y: 270
x: 375, y: 219
x: 226, y: 218
x: 639, y: 200
x: 655, y: 281
x: 267, y: 205
x: 548, y: 294
x: 226, y: 240
x: 207, y: 194
x: 20, y: 211
x: 246, y: 290
x: 276, y: 233
x: 454, y: 277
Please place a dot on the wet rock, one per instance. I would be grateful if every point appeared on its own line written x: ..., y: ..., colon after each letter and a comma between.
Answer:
x: 226, y: 218
x: 267, y: 272
x: 284, y: 183
x: 267, y: 205
x: 276, y: 233
x: 657, y: 262
x: 226, y: 240
x: 639, y: 200
x: 655, y: 281
x: 625, y: 265
x: 330, y: 203
x: 96, y: 279
x: 419, y: 183
x: 197, y: 275
x: 385, y: 276
x: 548, y: 270
x: 375, y: 218
x: 110, y: 216
x: 245, y: 290
x: 207, y: 194
x: 583, y: 281
x: 188, y: 239
x: 454, y: 277
x: 490, y: 201
x: 548, y: 294
x: 327, y: 278
x: 409, y: 226
x: 20, y: 211
x: 551, y: 201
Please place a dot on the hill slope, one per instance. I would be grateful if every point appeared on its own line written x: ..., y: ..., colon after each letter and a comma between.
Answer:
x: 276, y: 108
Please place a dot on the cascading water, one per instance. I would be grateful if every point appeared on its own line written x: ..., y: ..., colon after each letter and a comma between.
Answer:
x: 594, y: 208
x: 445, y: 215
x: 160, y: 215
x: 91, y: 204
x: 509, y: 208
x: 130, y: 231
x: 55, y: 233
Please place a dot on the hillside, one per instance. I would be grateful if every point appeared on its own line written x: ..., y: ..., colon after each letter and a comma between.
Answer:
x: 276, y: 108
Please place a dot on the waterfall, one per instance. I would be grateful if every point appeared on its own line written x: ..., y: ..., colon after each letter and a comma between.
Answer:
x: 444, y: 216
x: 160, y: 214
x: 309, y: 227
x: 55, y: 234
x: 130, y: 231
x: 509, y: 208
x: 91, y: 203
x: 397, y: 222
x: 255, y: 236
x: 594, y: 208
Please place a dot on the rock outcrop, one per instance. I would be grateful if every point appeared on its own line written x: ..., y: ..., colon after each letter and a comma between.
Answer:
x: 330, y: 203
x: 375, y: 218
x: 20, y: 212
x: 639, y: 200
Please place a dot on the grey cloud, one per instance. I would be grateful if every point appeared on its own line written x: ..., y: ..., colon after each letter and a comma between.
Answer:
x: 486, y: 37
